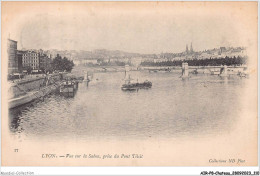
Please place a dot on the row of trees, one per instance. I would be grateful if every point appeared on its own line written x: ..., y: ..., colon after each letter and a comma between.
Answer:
x: 234, y: 61
x: 62, y: 64
x: 57, y: 64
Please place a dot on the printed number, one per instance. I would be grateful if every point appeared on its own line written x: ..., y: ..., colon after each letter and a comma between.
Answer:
x: 15, y: 150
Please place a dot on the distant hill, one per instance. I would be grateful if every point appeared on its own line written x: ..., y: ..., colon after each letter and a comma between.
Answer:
x: 117, y: 54
x: 95, y: 54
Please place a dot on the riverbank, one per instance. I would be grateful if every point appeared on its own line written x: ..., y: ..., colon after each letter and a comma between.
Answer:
x: 33, y: 95
x: 25, y: 90
x: 201, y: 69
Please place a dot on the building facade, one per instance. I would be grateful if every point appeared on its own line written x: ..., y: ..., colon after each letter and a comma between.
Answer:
x: 12, y: 56
x: 31, y: 59
x: 20, y: 60
x: 45, y: 62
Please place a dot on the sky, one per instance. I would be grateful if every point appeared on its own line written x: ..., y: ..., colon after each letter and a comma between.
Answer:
x: 140, y: 28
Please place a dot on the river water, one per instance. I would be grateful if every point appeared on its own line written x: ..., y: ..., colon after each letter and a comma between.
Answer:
x: 202, y: 105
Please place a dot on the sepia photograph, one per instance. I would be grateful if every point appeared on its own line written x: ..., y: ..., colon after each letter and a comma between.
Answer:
x: 129, y: 83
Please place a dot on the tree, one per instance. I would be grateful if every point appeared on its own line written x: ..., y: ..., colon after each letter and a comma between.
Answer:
x: 204, y: 62
x: 62, y: 64
x: 67, y: 64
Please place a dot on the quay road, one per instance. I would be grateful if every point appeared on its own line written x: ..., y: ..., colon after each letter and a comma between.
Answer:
x: 25, y: 90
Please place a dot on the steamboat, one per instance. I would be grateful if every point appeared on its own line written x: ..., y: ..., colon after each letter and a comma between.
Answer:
x: 129, y: 86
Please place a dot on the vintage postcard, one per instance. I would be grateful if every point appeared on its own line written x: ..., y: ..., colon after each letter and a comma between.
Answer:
x: 129, y: 84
